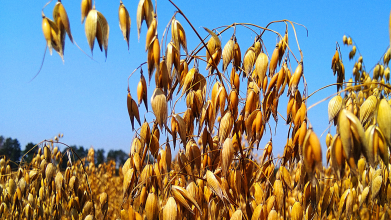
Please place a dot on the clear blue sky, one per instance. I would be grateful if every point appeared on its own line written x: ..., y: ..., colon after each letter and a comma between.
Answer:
x: 86, y: 100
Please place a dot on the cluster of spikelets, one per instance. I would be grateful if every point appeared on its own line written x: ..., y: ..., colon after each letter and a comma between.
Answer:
x: 41, y: 190
x: 215, y: 174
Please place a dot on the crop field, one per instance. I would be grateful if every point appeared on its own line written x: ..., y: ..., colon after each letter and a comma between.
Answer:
x: 206, y: 162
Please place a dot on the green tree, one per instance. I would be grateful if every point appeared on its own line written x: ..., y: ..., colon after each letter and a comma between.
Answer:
x: 119, y: 156
x: 1, y: 140
x: 29, y: 153
x: 11, y: 149
x: 80, y: 151
x: 100, y: 156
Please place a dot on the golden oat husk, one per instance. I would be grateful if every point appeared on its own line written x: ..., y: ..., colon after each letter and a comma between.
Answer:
x: 128, y: 181
x: 214, y: 184
x: 312, y: 151
x: 128, y: 164
x: 297, y: 211
x: 173, y: 58
x: 151, y: 33
x: 302, y: 133
x: 258, y: 213
x: 187, y: 196
x: 178, y: 34
x: 214, y: 48
x: 387, y: 71
x: 144, y: 12
x: 376, y: 186
x: 182, y: 36
x: 384, y: 120
x: 153, y: 57
x: 184, y: 163
x: 228, y: 53
x: 154, y: 145
x: 250, y: 103
x: 335, y: 105
x: 249, y: 61
x: 208, y: 116
x: 152, y: 206
x: 53, y: 35
x: 188, y: 80
x: 96, y: 26
x: 327, y: 199
x: 286, y: 177
x: 259, y: 126
x: 295, y: 79
x: 274, y: 61
x: 234, y: 79
x: 225, y: 126
x: 272, y: 84
x: 102, y: 32
x: 237, y: 215
x: 132, y: 110
x: 162, y: 78
x: 170, y: 210
x: 370, y: 151
x: 196, y: 157
x: 329, y: 138
x: 182, y: 201
x: 145, y: 134
x: 352, y: 135
x: 273, y: 215
x: 124, y: 22
x: 286, y: 76
x: 59, y: 180
x: 300, y: 115
x: 222, y: 98
x: 142, y: 91
x: 367, y: 109
x: 159, y: 107
x: 181, y: 127
x: 60, y: 16
x: 281, y: 78
x: 86, y: 6
x: 364, y: 196
x: 215, y: 94
x: 237, y: 56
x: 278, y: 192
x: 227, y: 154
x: 47, y: 32
x: 337, y: 156
x: 49, y: 172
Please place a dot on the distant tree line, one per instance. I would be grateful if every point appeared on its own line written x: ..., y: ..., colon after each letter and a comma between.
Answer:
x: 10, y: 148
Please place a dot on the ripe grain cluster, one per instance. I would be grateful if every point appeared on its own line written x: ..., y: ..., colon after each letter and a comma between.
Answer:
x: 216, y: 173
